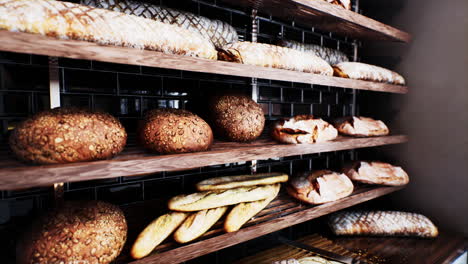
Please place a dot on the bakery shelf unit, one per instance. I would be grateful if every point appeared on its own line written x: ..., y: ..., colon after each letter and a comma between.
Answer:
x: 283, y: 212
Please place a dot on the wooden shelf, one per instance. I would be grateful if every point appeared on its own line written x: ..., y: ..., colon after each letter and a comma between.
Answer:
x: 134, y: 161
x: 283, y: 212
x: 41, y: 45
x: 328, y: 17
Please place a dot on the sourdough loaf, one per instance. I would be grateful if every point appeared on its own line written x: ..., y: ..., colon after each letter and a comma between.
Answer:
x: 376, y: 173
x: 303, y: 129
x: 367, y: 72
x: 359, y: 126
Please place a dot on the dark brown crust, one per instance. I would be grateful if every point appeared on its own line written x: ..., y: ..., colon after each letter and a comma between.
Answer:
x: 91, y: 231
x: 63, y: 135
x: 236, y: 117
x: 175, y: 131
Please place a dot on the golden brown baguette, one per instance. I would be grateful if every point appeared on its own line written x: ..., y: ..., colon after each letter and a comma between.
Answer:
x: 243, y: 212
x: 72, y: 21
x: 212, y: 199
x: 367, y: 72
x: 155, y: 233
x: 198, y: 223
x: 382, y: 223
x: 230, y: 182
x: 267, y: 55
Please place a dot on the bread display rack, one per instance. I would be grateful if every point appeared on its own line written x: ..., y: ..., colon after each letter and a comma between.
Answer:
x: 283, y: 211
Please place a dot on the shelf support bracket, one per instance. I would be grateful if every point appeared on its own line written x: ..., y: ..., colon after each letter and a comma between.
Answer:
x: 254, y: 84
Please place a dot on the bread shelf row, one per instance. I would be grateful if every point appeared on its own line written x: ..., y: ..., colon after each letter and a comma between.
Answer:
x: 328, y: 17
x: 283, y: 212
x: 135, y: 161
x: 41, y: 45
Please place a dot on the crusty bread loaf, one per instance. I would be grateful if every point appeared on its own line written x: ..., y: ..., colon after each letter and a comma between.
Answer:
x: 64, y: 135
x: 91, y: 232
x: 376, y: 173
x: 230, y: 182
x: 218, y: 32
x: 236, y: 117
x: 212, y: 199
x: 243, y: 212
x: 267, y: 55
x: 156, y: 232
x: 303, y: 129
x: 198, y: 223
x: 175, y: 131
x: 331, y: 56
x: 343, y: 3
x: 366, y: 72
x: 382, y: 223
x: 72, y: 21
x: 359, y: 126
x: 320, y: 187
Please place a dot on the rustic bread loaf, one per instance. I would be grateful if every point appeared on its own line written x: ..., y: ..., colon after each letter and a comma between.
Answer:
x: 155, y: 233
x: 376, y: 173
x: 382, y: 223
x: 243, y: 212
x: 331, y: 56
x: 303, y: 129
x: 64, y: 135
x: 91, y: 232
x: 175, y: 131
x: 320, y: 187
x: 230, y: 182
x: 267, y: 55
x: 359, y: 126
x: 236, y: 117
x: 198, y: 223
x: 346, y: 4
x: 366, y: 72
x: 66, y: 20
x: 218, y: 32
x: 212, y: 199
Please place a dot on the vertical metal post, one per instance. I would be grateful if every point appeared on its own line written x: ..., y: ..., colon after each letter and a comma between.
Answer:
x: 254, y: 84
x: 54, y: 95
x: 354, y: 111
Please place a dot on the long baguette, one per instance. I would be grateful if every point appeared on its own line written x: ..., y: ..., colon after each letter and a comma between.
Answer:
x: 218, y: 32
x: 230, y: 182
x: 155, y: 233
x: 382, y: 223
x: 243, y: 212
x: 198, y: 223
x: 267, y: 55
x: 212, y: 199
x: 72, y: 21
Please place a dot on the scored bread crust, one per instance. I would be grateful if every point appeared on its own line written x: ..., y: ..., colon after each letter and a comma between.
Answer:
x: 331, y: 56
x: 382, y: 223
x: 175, y: 131
x: 267, y: 55
x: 320, y: 187
x: 359, y: 126
x: 230, y: 182
x: 66, y: 20
x: 212, y: 199
x: 243, y: 212
x: 376, y: 173
x: 198, y: 223
x: 367, y: 72
x: 155, y: 233
x: 63, y: 135
x: 303, y: 129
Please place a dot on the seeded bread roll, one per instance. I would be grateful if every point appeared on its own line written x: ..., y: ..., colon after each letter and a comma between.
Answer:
x: 236, y: 117
x: 175, y: 131
x: 64, y: 135
x: 90, y: 232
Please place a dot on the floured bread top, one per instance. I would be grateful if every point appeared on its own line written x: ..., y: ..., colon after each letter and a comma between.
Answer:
x: 379, y: 173
x: 362, y: 126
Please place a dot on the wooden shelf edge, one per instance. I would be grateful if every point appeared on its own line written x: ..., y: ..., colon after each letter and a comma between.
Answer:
x: 41, y: 45
x: 196, y: 249
x: 34, y: 176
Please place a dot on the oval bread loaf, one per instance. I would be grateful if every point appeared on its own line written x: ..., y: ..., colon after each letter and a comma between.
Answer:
x: 303, y: 129
x: 376, y: 173
x: 230, y: 182
x: 212, y: 199
x: 198, y: 223
x: 63, y: 135
x: 359, y: 126
x: 367, y: 72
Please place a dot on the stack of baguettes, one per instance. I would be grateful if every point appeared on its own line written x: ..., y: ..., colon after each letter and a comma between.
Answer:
x: 191, y: 215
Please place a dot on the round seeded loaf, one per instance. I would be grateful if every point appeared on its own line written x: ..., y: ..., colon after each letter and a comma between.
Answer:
x: 175, y: 131
x: 63, y: 135
x: 237, y: 118
x: 91, y: 232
